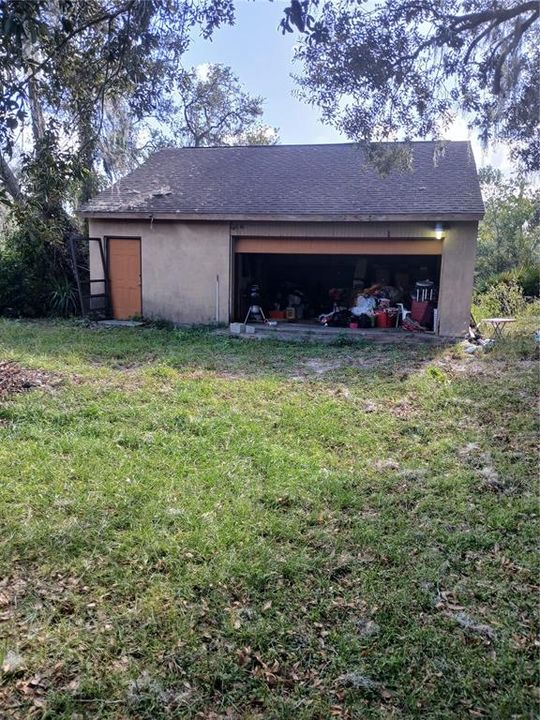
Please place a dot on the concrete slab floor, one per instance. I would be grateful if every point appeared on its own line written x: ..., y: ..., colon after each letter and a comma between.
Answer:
x: 319, y: 333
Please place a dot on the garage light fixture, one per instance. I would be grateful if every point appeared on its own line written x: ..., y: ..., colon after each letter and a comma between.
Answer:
x: 439, y: 230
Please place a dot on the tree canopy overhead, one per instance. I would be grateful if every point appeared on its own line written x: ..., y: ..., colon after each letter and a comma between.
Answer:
x: 377, y: 70
x: 76, y: 54
x: 406, y: 67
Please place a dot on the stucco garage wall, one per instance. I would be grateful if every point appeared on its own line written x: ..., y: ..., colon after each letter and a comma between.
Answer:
x: 180, y: 262
x: 457, y: 277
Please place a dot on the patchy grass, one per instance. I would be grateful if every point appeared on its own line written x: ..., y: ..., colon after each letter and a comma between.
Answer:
x: 202, y: 527
x: 518, y: 341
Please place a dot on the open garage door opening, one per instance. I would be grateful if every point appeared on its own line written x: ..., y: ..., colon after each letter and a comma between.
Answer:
x: 344, y: 290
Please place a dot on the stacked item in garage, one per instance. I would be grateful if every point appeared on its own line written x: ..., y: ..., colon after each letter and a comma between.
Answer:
x: 380, y: 305
x: 423, y: 303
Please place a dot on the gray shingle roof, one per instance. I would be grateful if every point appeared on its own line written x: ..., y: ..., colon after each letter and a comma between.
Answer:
x: 294, y: 180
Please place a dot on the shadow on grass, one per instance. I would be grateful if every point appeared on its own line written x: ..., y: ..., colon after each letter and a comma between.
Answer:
x: 70, y: 345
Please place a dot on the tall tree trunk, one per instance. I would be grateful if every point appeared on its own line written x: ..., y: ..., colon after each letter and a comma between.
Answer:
x: 87, y: 153
x: 7, y: 175
x: 34, y: 100
x: 36, y: 111
x: 9, y: 180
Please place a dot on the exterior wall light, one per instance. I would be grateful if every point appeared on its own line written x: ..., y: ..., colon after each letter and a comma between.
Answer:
x: 439, y: 230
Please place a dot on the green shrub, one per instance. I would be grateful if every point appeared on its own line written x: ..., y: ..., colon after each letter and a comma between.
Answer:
x: 19, y: 291
x: 503, y: 299
x: 32, y: 286
x: 63, y: 299
x: 528, y: 278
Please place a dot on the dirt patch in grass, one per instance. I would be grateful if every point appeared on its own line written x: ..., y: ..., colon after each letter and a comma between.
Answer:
x: 482, y: 364
x: 16, y: 379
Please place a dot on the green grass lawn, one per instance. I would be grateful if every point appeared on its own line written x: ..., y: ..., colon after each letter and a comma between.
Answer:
x: 194, y: 526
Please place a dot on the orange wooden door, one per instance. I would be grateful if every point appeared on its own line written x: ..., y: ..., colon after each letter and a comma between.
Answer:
x: 125, y: 277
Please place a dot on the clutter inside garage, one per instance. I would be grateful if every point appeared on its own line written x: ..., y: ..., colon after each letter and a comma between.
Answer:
x: 349, y: 291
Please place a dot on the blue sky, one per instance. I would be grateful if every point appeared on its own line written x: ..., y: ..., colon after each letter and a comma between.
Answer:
x: 262, y: 58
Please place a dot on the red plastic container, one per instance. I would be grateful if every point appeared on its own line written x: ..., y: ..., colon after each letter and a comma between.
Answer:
x: 383, y: 319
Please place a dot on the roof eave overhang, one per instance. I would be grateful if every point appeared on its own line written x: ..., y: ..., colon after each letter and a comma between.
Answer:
x: 264, y: 217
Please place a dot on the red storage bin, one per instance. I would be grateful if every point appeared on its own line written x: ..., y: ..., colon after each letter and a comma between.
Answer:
x: 422, y: 312
x: 383, y: 319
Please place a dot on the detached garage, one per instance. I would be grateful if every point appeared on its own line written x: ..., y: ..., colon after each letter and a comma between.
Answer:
x: 197, y: 235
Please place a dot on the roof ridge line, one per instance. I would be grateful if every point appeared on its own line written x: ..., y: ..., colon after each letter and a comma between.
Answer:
x: 312, y: 145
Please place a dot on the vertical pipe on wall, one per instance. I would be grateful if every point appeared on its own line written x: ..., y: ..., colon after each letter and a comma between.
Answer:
x: 217, y: 298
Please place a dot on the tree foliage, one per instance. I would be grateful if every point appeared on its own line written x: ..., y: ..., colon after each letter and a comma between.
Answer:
x: 212, y: 109
x: 35, y: 262
x: 509, y: 234
x: 77, y: 53
x: 406, y: 67
x: 69, y: 69
x: 74, y: 59
x: 82, y: 81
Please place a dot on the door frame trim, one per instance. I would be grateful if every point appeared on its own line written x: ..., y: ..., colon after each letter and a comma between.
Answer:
x: 107, y: 239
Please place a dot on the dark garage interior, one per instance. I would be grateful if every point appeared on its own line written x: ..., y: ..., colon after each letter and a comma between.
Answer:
x: 302, y: 288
